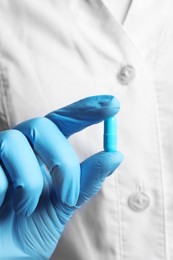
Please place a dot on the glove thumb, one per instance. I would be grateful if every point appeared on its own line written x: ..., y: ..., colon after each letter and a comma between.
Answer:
x: 94, y: 170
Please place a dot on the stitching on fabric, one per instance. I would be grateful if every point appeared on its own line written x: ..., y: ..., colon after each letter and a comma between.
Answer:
x: 120, y: 229
x: 4, y: 97
x: 165, y: 24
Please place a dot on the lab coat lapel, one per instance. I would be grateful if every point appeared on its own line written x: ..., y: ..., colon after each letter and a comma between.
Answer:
x: 134, y: 39
x: 144, y: 23
x: 125, y: 49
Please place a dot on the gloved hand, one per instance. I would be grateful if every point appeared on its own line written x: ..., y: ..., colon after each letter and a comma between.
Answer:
x: 42, y: 182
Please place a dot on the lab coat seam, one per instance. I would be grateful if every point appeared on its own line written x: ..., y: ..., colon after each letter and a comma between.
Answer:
x: 4, y: 98
x: 120, y: 228
x: 161, y: 172
x: 164, y: 28
x: 159, y: 138
x: 3, y: 117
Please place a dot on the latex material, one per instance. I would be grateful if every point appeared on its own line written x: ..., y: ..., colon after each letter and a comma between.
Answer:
x: 42, y: 181
x: 110, y: 134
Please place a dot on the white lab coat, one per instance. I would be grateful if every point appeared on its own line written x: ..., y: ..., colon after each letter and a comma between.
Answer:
x: 55, y: 52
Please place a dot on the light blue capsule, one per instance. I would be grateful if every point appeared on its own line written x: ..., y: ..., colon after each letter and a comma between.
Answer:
x: 110, y: 134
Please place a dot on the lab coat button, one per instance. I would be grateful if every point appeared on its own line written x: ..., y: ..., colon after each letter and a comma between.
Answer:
x: 138, y: 201
x: 126, y: 74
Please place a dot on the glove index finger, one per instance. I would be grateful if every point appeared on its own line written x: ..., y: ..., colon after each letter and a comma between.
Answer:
x: 83, y: 113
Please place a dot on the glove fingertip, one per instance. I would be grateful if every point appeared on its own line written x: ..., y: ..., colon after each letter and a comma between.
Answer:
x: 105, y: 163
x: 114, y: 160
x: 120, y: 157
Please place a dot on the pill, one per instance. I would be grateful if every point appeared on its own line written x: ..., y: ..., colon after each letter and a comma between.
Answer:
x: 110, y: 134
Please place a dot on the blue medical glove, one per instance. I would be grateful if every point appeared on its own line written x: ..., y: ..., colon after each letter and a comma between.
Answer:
x: 42, y: 181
